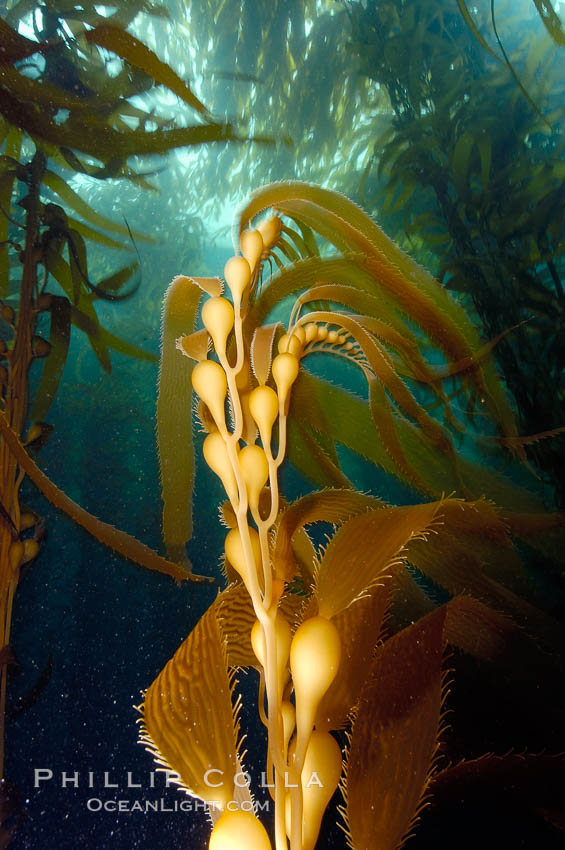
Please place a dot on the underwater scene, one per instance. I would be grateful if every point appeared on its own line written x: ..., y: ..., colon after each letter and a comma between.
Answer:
x: 282, y: 424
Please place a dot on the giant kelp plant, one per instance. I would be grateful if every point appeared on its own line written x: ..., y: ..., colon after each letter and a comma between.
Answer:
x: 325, y: 625
x: 381, y: 320
x: 64, y: 112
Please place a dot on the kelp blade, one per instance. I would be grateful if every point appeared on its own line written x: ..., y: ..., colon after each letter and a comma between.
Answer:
x: 174, y: 420
x: 364, y: 549
x: 189, y: 723
x: 394, y: 737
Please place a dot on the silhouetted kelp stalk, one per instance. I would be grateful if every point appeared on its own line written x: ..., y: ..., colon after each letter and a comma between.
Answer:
x: 310, y: 619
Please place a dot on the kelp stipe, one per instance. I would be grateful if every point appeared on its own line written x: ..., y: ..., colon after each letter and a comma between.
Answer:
x: 312, y: 620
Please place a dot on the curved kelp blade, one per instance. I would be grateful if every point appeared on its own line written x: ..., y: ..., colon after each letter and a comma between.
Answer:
x: 364, y: 550
x: 470, y: 625
x: 93, y: 235
x: 383, y: 369
x: 101, y: 339
x: 107, y: 289
x: 262, y: 351
x: 389, y: 327
x: 396, y: 275
x: 59, y: 337
x: 479, y: 630
x: 385, y: 423
x: 317, y: 400
x: 468, y: 18
x: 313, y: 453
x: 394, y: 737
x: 344, y: 224
x: 346, y: 278
x: 551, y: 20
x: 543, y: 532
x: 102, y: 141
x: 133, y: 51
x: 355, y: 427
x: 83, y: 314
x: 465, y: 575
x: 77, y: 263
x: 473, y: 554
x: 45, y: 94
x: 174, y: 405
x: 359, y: 628
x: 335, y: 506
x: 117, y: 540
x: 123, y: 346
x: 16, y: 47
x: 189, y: 721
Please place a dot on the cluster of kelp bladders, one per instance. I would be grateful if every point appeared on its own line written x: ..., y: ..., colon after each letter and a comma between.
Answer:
x: 310, y: 619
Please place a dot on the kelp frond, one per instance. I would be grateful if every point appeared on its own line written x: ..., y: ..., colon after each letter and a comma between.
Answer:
x: 117, y: 540
x: 374, y: 295
x: 189, y: 720
x: 394, y: 736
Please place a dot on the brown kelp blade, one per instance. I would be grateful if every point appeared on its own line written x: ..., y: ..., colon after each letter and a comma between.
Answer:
x: 189, y: 722
x: 394, y: 273
x: 237, y: 618
x: 385, y: 424
x: 117, y: 540
x: 478, y: 629
x: 543, y: 532
x: 133, y: 51
x: 102, y: 141
x: 59, y: 338
x: 16, y: 47
x: 262, y: 351
x: 364, y: 549
x: 394, y: 737
x: 472, y: 553
x: 470, y: 625
x: 359, y: 628
x: 312, y: 450
x: 174, y: 422
x: 381, y: 366
x: 318, y: 401
x: 75, y: 202
x: 335, y: 506
x: 346, y: 276
x: 374, y: 314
